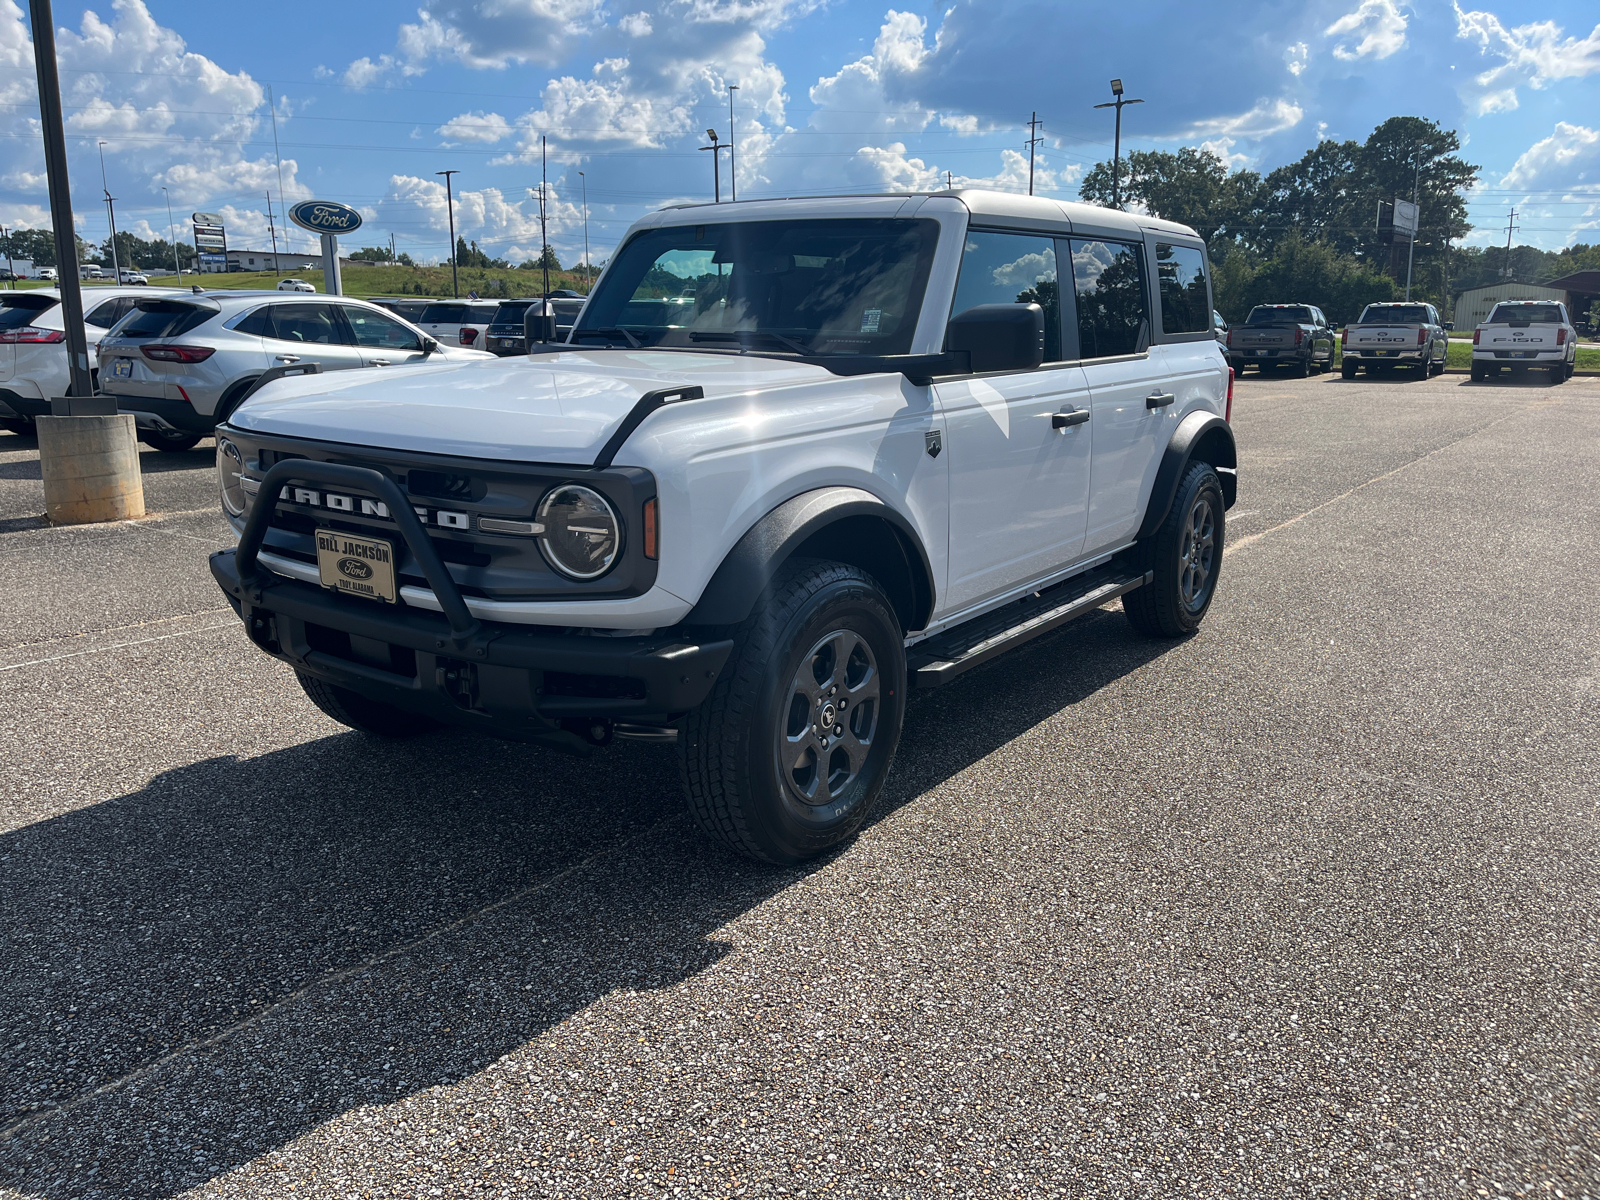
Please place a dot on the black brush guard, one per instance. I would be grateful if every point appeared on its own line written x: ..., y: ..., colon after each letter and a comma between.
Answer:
x: 465, y: 670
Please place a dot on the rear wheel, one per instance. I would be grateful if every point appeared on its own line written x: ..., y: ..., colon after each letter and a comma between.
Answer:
x: 173, y: 442
x: 1479, y: 374
x: 1347, y: 369
x: 786, y: 756
x: 359, y: 712
x: 1302, y: 369
x: 1185, y: 554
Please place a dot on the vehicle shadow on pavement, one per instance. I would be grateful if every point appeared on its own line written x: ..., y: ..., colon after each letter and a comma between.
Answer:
x: 207, y: 968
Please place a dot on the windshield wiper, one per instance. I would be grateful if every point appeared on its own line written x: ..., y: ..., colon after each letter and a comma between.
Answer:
x: 609, y: 331
x: 743, y: 336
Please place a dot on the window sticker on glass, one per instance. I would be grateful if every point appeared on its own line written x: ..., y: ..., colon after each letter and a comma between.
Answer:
x: 871, y: 319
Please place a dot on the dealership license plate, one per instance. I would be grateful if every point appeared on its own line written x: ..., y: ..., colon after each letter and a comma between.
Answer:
x: 1263, y: 353
x: 358, y: 566
x: 122, y: 369
x: 1383, y: 353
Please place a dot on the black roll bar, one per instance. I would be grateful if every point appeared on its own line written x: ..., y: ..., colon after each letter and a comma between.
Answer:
x: 462, y: 623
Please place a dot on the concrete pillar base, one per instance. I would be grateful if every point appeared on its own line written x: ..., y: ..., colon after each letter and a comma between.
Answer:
x: 91, y: 468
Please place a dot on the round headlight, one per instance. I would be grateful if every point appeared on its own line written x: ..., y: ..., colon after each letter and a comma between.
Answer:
x: 230, y: 465
x: 582, y: 535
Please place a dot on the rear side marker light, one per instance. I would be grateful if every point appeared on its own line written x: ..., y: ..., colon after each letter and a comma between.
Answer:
x: 1228, y: 413
x: 32, y: 335
x: 181, y: 354
x: 651, y: 550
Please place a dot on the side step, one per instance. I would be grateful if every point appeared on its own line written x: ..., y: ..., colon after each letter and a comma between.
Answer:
x: 940, y: 659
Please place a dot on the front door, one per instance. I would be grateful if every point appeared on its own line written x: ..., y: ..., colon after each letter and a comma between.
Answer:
x: 383, y: 341
x: 311, y: 331
x: 1019, y: 478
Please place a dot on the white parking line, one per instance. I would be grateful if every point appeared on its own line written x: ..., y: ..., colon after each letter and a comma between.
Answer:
x: 33, y: 662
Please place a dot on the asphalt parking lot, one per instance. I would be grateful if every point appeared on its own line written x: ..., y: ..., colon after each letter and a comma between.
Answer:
x: 1306, y: 905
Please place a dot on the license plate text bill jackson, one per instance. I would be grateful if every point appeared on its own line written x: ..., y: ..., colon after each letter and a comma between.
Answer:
x: 356, y: 565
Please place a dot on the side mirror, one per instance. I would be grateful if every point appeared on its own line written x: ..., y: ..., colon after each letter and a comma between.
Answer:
x: 999, y: 337
x: 1450, y: 326
x: 539, y: 322
x: 429, y: 345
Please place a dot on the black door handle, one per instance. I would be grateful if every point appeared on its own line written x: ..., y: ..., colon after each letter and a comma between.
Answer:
x: 1062, y: 420
x: 1159, y: 399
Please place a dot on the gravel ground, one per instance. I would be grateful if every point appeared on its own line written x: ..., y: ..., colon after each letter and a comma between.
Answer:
x: 1303, y: 906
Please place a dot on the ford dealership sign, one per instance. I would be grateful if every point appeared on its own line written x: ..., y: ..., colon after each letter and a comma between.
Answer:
x: 325, y: 216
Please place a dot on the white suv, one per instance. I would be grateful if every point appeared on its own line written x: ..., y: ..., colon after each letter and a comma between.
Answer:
x: 796, y: 457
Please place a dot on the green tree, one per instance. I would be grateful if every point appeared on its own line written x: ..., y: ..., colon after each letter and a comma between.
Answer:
x: 38, y: 246
x: 405, y: 260
x: 1192, y: 187
x: 375, y: 254
x: 1313, y: 272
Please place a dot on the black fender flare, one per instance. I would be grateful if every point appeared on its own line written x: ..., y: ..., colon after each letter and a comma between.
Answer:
x: 1201, y: 434
x: 833, y: 519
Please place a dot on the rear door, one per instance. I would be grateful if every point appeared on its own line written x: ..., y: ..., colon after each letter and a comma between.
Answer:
x: 312, y: 331
x: 1130, y: 399
x: 1019, y: 487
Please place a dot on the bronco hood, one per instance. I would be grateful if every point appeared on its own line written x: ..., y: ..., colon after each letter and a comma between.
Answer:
x: 556, y: 408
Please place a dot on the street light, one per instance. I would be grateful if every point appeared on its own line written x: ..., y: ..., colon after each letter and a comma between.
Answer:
x: 1116, y: 151
x: 733, y: 140
x: 111, y: 220
x: 450, y: 207
x: 172, y: 235
x: 716, y: 172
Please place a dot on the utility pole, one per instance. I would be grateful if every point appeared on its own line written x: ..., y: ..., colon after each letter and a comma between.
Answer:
x: 272, y: 231
x: 111, y: 220
x: 587, y: 285
x: 1411, y: 246
x: 544, y: 234
x: 733, y: 171
x: 172, y: 233
x: 1116, y: 151
x: 450, y: 207
x: 1033, y: 140
x: 949, y: 181
x: 716, y: 170
x: 10, y: 265
x: 283, y: 203
x: 392, y: 256
x: 1511, y: 223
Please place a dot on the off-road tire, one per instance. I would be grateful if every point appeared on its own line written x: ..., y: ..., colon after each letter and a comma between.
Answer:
x: 1159, y: 608
x: 728, y: 747
x: 172, y: 443
x: 359, y: 712
x: 1347, y: 370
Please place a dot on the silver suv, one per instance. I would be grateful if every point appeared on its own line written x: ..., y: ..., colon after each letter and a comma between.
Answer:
x: 182, y: 364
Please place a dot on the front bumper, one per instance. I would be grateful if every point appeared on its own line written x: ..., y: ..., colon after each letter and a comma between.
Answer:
x: 498, y: 678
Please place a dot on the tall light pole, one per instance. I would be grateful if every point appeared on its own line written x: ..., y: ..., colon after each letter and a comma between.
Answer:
x: 172, y: 235
x: 586, y: 280
x: 272, y: 107
x: 450, y: 207
x: 1411, y: 246
x: 111, y: 220
x: 544, y: 234
x: 733, y: 140
x: 716, y: 167
x: 1116, y: 150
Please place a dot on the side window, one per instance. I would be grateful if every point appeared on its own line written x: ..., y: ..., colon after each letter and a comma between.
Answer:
x: 308, y: 324
x: 1012, y: 268
x: 376, y: 329
x: 109, y: 313
x: 1181, y: 275
x: 258, y: 323
x: 1113, y: 313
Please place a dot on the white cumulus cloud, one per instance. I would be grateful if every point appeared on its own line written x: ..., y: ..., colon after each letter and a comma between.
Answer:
x: 487, y: 128
x: 1377, y: 28
x: 1535, y: 55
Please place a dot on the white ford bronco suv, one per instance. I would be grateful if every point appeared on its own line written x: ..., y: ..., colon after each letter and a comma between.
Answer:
x: 795, y: 458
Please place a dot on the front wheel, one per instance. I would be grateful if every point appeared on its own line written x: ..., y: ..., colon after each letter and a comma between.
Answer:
x: 1186, y: 555
x: 786, y: 756
x: 173, y: 442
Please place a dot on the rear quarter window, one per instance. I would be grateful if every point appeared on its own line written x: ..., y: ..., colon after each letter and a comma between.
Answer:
x: 1185, y: 300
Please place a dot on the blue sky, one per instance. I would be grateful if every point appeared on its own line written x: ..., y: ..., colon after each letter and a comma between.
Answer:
x: 372, y: 99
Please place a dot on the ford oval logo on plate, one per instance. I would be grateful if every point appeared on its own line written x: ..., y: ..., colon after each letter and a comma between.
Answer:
x: 325, y: 216
x: 354, y: 568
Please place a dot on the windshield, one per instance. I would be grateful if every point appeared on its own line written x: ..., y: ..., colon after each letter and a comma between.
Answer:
x: 1394, y: 314
x: 1525, y: 314
x: 19, y: 310
x: 1291, y: 315
x: 848, y: 286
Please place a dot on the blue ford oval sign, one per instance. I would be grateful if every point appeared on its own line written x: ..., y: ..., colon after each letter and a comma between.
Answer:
x: 325, y: 216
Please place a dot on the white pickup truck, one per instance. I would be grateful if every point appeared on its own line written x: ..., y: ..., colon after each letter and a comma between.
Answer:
x: 795, y: 458
x: 1525, y: 333
x: 1395, y: 334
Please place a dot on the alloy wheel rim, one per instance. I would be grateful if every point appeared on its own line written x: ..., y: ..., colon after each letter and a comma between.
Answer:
x: 829, y: 718
x: 1197, y: 555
